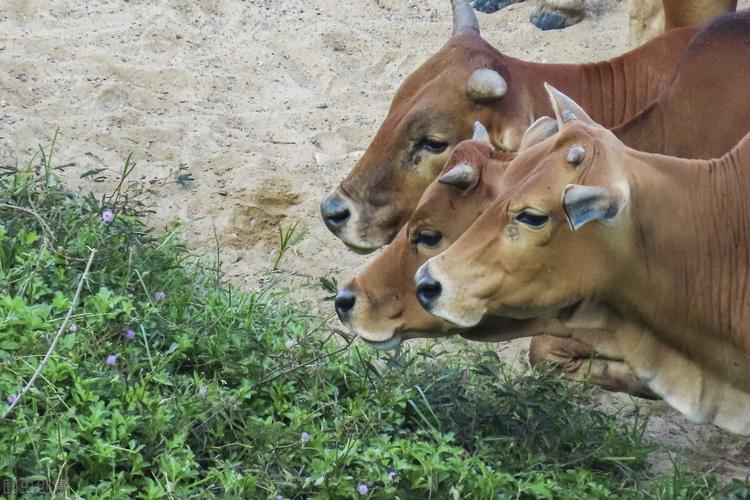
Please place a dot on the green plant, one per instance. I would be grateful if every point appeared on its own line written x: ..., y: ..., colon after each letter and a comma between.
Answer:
x: 168, y: 383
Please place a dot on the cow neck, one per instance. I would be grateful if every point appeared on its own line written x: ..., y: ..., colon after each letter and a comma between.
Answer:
x: 646, y: 131
x: 689, y: 278
x: 611, y: 92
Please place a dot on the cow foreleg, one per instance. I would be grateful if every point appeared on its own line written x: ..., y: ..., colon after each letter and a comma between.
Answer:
x: 490, y: 6
x: 557, y: 14
x: 576, y: 360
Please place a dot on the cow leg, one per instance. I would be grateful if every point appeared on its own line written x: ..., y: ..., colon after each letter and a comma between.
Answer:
x: 557, y: 14
x: 576, y: 360
x: 490, y: 6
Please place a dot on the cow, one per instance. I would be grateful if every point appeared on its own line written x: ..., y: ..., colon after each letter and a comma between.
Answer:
x: 379, y: 304
x: 661, y: 242
x: 469, y: 80
x: 650, y: 18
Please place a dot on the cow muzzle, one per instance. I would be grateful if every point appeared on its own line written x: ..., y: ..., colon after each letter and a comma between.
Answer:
x: 335, y: 213
x: 446, y: 299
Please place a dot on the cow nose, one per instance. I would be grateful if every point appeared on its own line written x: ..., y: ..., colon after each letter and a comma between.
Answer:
x: 344, y: 303
x: 428, y: 289
x: 334, y: 213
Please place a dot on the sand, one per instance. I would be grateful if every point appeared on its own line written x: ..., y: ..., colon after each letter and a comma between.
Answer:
x: 266, y: 104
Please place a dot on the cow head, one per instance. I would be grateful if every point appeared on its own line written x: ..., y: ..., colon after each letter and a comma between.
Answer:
x: 432, y: 111
x: 553, y: 237
x: 379, y: 304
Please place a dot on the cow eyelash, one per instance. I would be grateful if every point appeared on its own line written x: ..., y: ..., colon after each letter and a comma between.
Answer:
x: 532, y: 219
x: 433, y: 146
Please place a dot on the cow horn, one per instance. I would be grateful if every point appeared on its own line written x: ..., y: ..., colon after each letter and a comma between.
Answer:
x: 486, y: 85
x: 542, y: 128
x: 566, y: 109
x: 461, y: 176
x: 480, y: 133
x: 464, y: 18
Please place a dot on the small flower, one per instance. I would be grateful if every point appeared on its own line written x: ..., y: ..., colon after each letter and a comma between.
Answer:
x: 362, y: 489
x: 392, y: 475
x: 279, y: 497
x: 159, y: 296
x: 129, y: 334
x: 12, y: 399
x: 73, y: 328
x: 108, y: 216
x: 304, y: 437
x: 202, y: 391
x: 111, y: 360
x: 290, y: 343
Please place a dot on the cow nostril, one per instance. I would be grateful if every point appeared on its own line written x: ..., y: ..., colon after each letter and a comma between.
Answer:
x: 334, y: 212
x: 428, y: 290
x: 344, y: 303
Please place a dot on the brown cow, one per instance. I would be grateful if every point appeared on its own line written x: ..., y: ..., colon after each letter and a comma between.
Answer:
x: 466, y: 81
x: 661, y: 241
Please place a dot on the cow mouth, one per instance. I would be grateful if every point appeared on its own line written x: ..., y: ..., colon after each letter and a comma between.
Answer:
x: 359, y: 250
x: 390, y: 344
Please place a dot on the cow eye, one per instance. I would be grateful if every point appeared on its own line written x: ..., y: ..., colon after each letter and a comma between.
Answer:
x: 532, y: 219
x: 432, y: 145
x: 427, y: 238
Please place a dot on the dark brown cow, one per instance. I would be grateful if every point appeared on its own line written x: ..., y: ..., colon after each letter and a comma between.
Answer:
x: 663, y: 242
x: 466, y: 81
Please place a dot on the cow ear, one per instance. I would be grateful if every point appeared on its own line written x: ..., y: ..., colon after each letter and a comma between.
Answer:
x: 542, y: 128
x: 584, y: 204
x: 486, y: 85
x: 565, y: 108
x: 481, y: 134
x: 462, y: 176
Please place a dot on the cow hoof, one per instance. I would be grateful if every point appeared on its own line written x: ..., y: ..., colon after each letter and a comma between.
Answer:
x: 490, y: 6
x: 550, y: 19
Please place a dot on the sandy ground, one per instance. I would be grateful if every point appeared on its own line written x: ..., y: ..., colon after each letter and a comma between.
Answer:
x: 266, y: 104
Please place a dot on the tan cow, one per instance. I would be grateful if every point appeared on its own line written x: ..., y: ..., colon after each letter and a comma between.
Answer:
x: 650, y: 18
x: 469, y: 80
x: 662, y: 242
x: 379, y: 304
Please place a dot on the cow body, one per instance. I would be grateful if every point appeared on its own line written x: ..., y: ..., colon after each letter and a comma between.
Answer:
x: 661, y: 242
x: 434, y: 109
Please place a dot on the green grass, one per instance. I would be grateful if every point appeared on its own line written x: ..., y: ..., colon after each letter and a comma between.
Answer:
x: 223, y: 392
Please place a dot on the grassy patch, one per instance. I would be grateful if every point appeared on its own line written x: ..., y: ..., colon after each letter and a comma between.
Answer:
x: 168, y: 383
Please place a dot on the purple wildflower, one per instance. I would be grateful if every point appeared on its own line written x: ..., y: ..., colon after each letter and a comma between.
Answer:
x: 108, y: 216
x: 392, y: 475
x: 12, y: 399
x: 129, y: 334
x: 362, y: 489
x: 159, y: 296
x: 111, y: 360
x: 304, y: 437
x: 279, y: 497
x: 73, y: 328
x: 290, y: 343
x: 202, y: 391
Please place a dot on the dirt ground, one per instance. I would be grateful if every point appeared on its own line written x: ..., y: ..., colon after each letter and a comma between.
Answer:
x: 266, y: 104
